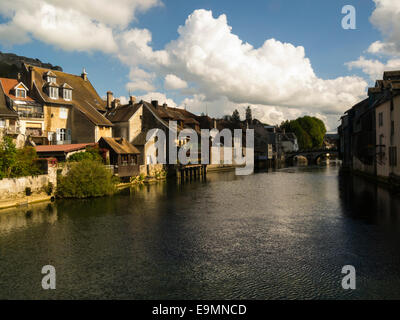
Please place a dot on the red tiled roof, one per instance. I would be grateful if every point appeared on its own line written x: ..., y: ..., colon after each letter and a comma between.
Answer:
x: 63, y: 148
x: 9, y: 85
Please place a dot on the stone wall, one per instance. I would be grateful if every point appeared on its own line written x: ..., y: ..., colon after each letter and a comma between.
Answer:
x: 15, y: 188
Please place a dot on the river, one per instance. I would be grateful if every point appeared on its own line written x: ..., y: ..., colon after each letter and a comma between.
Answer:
x: 276, y: 235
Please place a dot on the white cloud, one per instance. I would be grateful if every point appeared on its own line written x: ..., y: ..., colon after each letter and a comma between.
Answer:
x: 172, y: 82
x: 386, y: 17
x: 140, y: 85
x: 69, y: 25
x: 220, y: 64
x: 374, y: 68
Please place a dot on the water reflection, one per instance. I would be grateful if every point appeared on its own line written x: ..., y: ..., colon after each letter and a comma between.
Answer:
x: 26, y: 216
x: 369, y: 201
x: 272, y: 235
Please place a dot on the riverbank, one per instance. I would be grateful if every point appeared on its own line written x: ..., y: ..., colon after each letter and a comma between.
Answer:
x: 18, y: 202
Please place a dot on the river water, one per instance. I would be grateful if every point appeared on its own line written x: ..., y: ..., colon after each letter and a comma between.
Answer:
x: 276, y: 235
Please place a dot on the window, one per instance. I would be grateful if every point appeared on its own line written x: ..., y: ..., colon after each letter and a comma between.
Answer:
x: 2, y: 123
x: 20, y: 93
x: 53, y: 92
x: 63, y: 113
x: 51, y: 79
x: 67, y: 94
x: 63, y: 135
x: 393, y: 156
x: 381, y: 119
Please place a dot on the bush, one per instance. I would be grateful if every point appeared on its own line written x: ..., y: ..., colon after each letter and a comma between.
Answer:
x: 86, y: 179
x: 49, y: 189
x: 91, y: 153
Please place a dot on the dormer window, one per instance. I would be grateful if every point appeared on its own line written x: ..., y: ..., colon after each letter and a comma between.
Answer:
x: 50, y: 77
x: 53, y: 92
x: 20, y: 93
x: 67, y: 92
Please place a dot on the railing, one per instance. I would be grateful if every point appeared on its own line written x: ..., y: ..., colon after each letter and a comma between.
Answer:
x: 12, y: 130
x: 31, y: 115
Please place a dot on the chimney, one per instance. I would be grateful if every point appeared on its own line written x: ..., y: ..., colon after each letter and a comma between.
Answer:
x: 132, y: 100
x: 19, y: 76
x: 84, y: 74
x: 165, y: 105
x: 215, y: 123
x: 116, y: 103
x: 154, y: 103
x: 110, y: 98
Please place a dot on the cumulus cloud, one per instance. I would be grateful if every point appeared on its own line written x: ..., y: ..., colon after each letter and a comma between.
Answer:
x: 220, y: 64
x: 172, y: 82
x: 70, y: 25
x: 374, y: 68
x: 386, y: 17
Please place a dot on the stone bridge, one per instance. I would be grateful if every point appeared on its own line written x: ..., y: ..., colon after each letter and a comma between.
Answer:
x: 312, y: 156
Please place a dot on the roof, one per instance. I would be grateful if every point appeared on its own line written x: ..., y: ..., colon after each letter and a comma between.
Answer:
x: 388, y: 75
x: 123, y: 113
x: 120, y: 146
x: 4, y: 110
x: 84, y: 98
x: 8, y: 87
x: 62, y: 148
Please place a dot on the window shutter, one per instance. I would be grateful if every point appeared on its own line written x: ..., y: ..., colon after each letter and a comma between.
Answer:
x: 69, y: 134
x: 58, y: 134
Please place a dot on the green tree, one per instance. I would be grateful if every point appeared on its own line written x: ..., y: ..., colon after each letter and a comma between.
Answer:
x: 86, y: 179
x: 310, y: 131
x: 236, y: 116
x: 249, y: 115
x: 17, y: 162
x: 8, y: 157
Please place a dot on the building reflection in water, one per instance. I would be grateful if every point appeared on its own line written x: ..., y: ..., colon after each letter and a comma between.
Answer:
x: 26, y: 216
x: 369, y: 201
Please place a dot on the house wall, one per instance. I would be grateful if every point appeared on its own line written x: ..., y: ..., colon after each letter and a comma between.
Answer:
x: 102, y: 132
x: 135, y: 125
x: 121, y: 130
x: 383, y: 138
x: 83, y: 130
x: 56, y: 117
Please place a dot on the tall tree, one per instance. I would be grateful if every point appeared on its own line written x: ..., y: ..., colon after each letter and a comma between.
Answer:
x: 310, y: 131
x: 236, y: 116
x: 249, y: 115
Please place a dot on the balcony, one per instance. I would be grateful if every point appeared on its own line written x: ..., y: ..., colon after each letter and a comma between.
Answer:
x: 31, y: 115
x: 12, y: 130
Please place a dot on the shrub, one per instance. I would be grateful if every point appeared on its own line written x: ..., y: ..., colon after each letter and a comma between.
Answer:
x: 86, y: 179
x: 91, y: 153
x: 49, y: 189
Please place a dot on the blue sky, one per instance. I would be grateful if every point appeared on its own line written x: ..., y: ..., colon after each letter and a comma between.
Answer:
x: 312, y: 24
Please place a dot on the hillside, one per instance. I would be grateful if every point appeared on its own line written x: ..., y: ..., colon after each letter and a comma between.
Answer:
x: 11, y: 64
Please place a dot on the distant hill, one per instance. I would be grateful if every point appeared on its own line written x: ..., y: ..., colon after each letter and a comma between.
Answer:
x: 11, y: 64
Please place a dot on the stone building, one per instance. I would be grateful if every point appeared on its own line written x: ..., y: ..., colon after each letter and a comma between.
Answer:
x: 73, y: 111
